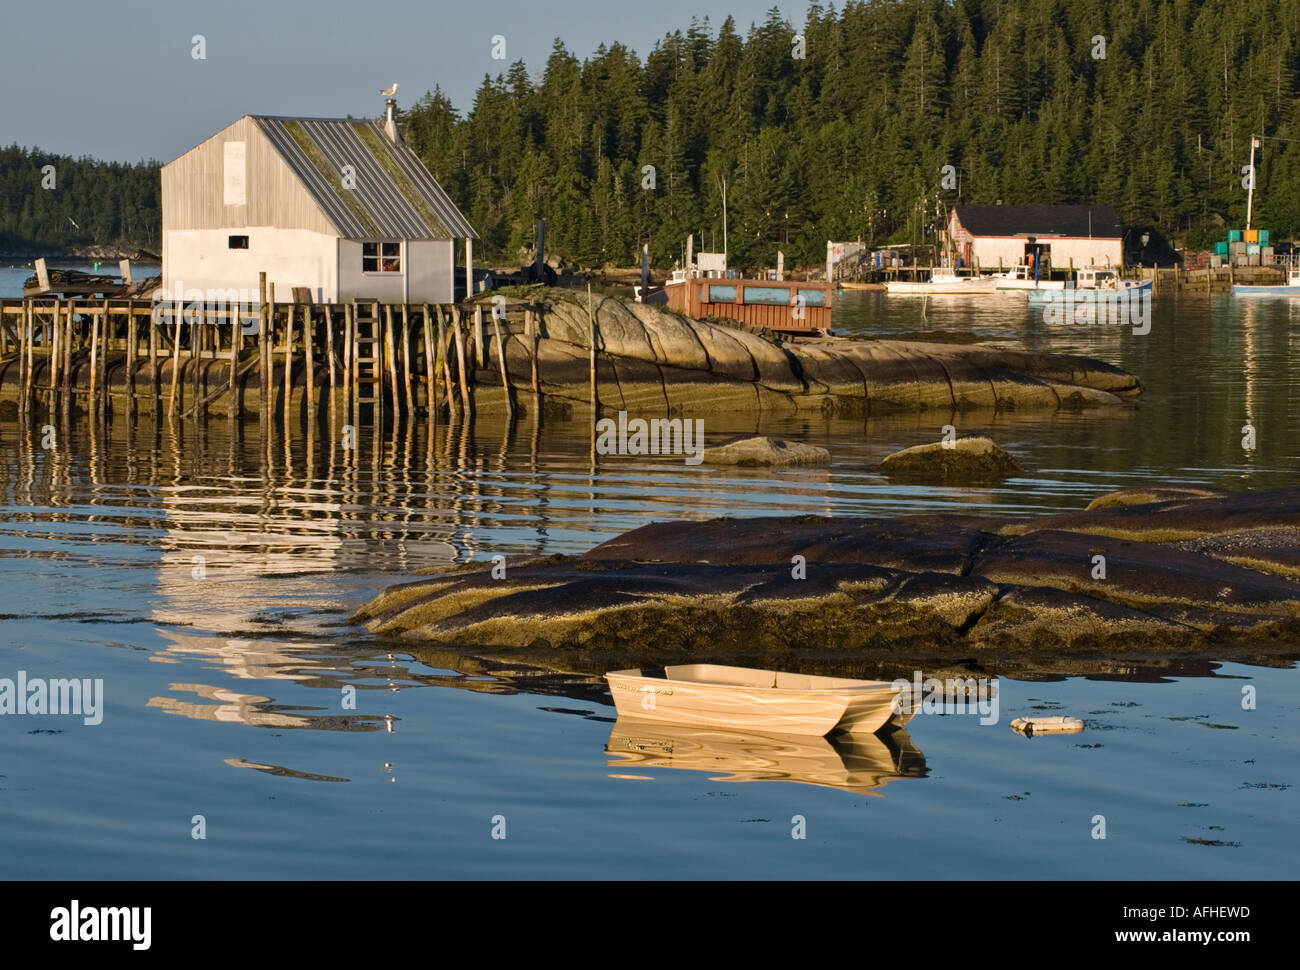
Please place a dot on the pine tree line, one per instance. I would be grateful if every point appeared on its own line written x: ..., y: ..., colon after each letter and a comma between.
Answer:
x: 53, y: 203
x: 838, y: 128
x: 1144, y: 104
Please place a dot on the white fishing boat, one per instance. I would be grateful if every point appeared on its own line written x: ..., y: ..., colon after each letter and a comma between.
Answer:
x: 943, y: 284
x: 1021, y: 278
x: 1092, y: 284
x: 1290, y: 288
x: 746, y: 699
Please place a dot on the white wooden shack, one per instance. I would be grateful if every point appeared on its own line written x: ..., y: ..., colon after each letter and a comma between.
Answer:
x: 341, y: 208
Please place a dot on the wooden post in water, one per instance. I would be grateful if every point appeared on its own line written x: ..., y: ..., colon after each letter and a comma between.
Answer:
x: 329, y: 351
x: 479, y: 356
x: 501, y: 359
x: 52, y: 371
x: 531, y: 328
x: 153, y: 361
x: 431, y: 375
x: 264, y: 322
x: 103, y: 360
x: 288, y: 366
x: 94, y: 361
x: 29, y: 339
x: 391, y: 354
x: 309, y: 379
x: 406, y: 358
x: 591, y: 315
x: 236, y: 344
x: 446, y: 366
x: 132, y: 350
x: 352, y: 369
x: 178, y: 311
x: 459, y: 337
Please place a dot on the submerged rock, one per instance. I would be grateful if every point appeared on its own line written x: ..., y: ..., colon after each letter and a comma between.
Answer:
x: 762, y: 450
x: 959, y: 462
x: 1217, y: 577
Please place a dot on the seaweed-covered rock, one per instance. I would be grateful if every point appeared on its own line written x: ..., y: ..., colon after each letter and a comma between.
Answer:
x: 761, y: 450
x: 962, y: 461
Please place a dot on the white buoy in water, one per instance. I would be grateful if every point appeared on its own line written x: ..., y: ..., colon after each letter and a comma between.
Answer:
x: 1047, y: 725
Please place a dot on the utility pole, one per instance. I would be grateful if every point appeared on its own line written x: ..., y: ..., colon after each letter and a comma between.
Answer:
x: 1250, y: 193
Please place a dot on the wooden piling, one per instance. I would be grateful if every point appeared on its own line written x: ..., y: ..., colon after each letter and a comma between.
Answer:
x: 446, y: 367
x: 178, y: 312
x: 391, y: 354
x: 591, y: 316
x: 236, y: 344
x: 288, y: 365
x: 430, y: 371
x: 309, y: 379
x: 460, y: 360
x: 501, y: 359
x: 406, y: 359
x: 329, y: 350
x: 132, y: 349
x: 530, y: 326
x: 479, y: 355
x: 94, y: 360
x: 153, y: 361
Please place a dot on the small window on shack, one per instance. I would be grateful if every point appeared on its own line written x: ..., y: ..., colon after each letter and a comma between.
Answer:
x: 381, y: 257
x: 237, y: 242
x: 812, y: 297
x: 771, y: 295
x: 721, y: 294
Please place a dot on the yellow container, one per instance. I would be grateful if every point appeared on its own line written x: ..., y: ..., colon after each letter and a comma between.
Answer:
x: 1252, y: 235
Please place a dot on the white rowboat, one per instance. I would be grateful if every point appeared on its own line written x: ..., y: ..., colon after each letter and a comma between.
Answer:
x: 746, y: 699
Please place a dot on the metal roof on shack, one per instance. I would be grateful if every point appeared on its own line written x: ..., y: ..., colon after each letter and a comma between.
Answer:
x: 388, y: 193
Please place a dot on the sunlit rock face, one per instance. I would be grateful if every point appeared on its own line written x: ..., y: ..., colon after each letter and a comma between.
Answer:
x: 1183, y: 577
x: 650, y: 360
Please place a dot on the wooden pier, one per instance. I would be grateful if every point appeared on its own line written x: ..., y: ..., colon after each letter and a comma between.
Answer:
x: 358, y: 363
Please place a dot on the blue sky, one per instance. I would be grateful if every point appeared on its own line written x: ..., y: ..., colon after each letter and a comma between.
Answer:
x: 117, y: 80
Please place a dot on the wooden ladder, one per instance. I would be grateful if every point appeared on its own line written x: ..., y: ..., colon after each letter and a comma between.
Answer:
x: 367, y: 361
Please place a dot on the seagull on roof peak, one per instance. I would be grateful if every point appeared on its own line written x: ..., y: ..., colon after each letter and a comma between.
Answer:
x: 389, y: 92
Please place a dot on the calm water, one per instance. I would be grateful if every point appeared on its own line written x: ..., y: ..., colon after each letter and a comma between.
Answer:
x: 224, y: 694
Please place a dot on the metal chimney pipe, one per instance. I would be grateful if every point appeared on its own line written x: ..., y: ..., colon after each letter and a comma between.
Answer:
x: 390, y: 120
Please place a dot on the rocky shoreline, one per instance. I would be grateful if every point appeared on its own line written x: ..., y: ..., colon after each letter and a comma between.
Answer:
x: 1184, y: 578
x: 653, y: 361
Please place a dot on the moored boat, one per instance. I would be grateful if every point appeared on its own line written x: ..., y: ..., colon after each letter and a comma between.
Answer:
x: 744, y: 698
x: 1290, y: 288
x: 943, y: 283
x: 1092, y: 284
x: 1019, y: 278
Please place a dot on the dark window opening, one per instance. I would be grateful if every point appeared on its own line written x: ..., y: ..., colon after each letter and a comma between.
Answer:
x: 238, y: 242
x: 381, y: 257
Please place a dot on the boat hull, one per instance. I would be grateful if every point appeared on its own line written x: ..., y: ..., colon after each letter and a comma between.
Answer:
x: 1087, y: 295
x: 974, y: 285
x: 1243, y: 289
x: 1014, y: 284
x: 738, y: 698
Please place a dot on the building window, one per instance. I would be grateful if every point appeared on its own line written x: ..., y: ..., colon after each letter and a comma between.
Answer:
x: 381, y: 257
x: 237, y: 242
x: 720, y: 294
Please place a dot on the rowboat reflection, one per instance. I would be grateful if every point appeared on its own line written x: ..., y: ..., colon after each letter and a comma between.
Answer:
x: 858, y: 763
